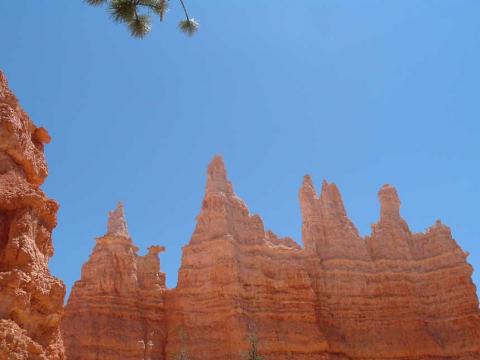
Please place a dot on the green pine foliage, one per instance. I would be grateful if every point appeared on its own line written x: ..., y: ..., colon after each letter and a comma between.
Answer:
x: 137, y: 14
x: 253, y: 353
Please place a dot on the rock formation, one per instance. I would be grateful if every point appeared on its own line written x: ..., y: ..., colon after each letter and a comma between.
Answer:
x: 116, y: 310
x: 404, y: 296
x: 394, y: 295
x: 31, y: 302
x: 237, y: 278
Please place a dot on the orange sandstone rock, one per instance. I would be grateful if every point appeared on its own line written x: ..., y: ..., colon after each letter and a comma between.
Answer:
x: 31, y: 302
x: 116, y: 310
x: 235, y: 276
x: 411, y: 297
x: 394, y: 295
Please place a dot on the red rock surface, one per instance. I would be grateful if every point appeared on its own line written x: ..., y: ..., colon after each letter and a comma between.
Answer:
x: 236, y: 276
x: 31, y: 302
x: 116, y: 310
x: 393, y: 295
x: 404, y: 296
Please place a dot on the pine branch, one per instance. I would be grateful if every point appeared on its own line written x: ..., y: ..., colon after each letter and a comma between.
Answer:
x: 128, y: 11
x: 140, y: 26
x: 123, y: 10
x: 189, y: 26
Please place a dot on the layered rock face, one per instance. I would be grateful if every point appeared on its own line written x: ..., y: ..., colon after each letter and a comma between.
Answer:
x: 116, y: 310
x: 397, y: 295
x: 31, y: 301
x: 236, y: 278
x: 394, y: 295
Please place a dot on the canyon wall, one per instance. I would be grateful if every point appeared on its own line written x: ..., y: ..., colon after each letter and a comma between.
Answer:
x: 31, y: 302
x: 392, y: 295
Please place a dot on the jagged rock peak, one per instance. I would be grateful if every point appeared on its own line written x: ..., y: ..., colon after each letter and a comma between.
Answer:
x: 308, y: 182
x: 326, y: 228
x: 3, y: 82
x: 217, y: 180
x: 117, y: 225
x: 5, y: 91
x: 331, y: 199
x: 389, y: 203
x: 308, y: 189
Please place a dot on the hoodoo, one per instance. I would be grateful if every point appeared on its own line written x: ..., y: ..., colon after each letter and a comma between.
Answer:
x: 394, y: 295
x: 237, y: 278
x: 116, y: 310
x: 31, y: 299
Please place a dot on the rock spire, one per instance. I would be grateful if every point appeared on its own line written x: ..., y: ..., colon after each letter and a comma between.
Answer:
x: 117, y: 224
x: 116, y: 310
x: 393, y: 295
x: 326, y: 228
x: 217, y: 181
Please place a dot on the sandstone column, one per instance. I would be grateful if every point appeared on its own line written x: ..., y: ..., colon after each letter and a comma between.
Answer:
x: 116, y: 311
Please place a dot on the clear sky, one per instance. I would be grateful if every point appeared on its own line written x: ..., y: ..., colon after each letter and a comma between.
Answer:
x: 359, y: 92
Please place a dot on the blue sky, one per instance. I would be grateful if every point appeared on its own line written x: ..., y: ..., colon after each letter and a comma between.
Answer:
x: 360, y: 92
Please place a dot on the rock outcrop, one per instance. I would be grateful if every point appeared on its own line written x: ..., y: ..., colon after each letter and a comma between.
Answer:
x: 116, y: 310
x: 394, y: 295
x: 236, y: 278
x: 399, y: 295
x: 31, y: 301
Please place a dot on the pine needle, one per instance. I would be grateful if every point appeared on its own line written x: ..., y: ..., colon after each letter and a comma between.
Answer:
x: 189, y: 26
x: 123, y: 10
x: 135, y: 14
x: 140, y: 26
x: 160, y: 8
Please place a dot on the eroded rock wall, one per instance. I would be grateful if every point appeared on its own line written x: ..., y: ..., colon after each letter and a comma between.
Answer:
x: 404, y: 296
x: 31, y: 302
x: 236, y: 278
x: 116, y: 310
x: 394, y: 295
